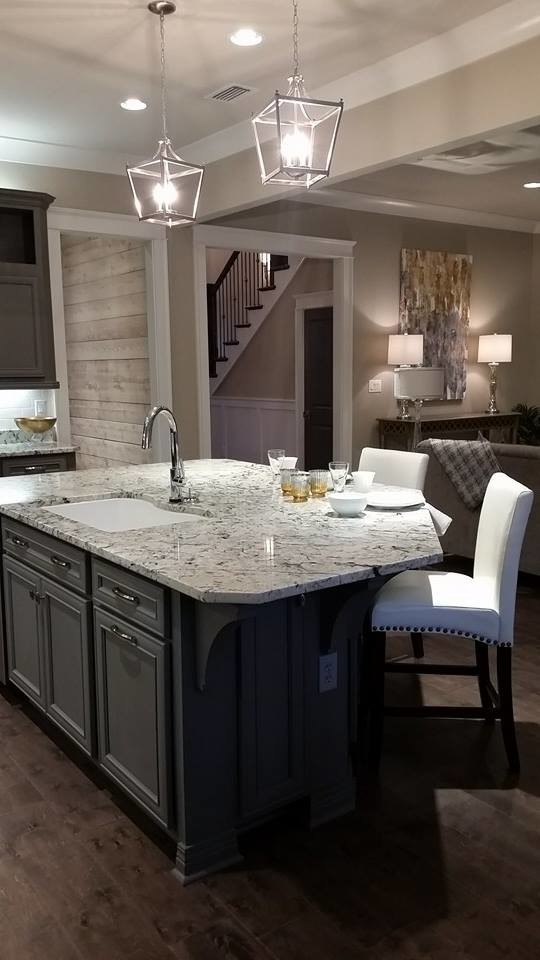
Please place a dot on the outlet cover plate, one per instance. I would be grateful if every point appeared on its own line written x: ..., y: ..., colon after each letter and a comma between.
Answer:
x: 375, y: 386
x: 328, y: 666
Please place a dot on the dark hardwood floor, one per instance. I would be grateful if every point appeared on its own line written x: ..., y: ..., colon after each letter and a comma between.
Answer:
x: 441, y: 859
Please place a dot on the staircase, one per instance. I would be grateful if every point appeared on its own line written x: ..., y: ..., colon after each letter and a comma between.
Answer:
x: 238, y: 303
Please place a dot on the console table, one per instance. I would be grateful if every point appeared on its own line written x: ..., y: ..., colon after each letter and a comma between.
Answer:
x: 397, y: 434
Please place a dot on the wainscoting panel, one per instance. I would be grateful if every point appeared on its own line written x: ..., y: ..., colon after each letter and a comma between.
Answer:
x: 245, y: 428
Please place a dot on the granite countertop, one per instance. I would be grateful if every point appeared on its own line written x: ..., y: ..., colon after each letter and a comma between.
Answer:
x: 30, y: 449
x: 250, y: 545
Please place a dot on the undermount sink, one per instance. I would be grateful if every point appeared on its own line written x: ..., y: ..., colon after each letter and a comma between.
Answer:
x: 120, y: 513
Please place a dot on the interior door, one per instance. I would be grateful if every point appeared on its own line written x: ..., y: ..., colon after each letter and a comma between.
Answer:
x: 318, y: 387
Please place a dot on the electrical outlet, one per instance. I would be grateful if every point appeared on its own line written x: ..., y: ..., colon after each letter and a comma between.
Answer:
x: 375, y: 386
x: 328, y: 672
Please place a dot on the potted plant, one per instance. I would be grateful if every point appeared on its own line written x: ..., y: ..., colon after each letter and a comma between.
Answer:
x: 529, y: 424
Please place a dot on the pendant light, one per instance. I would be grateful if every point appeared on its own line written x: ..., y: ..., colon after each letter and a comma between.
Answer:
x: 166, y: 189
x: 296, y: 135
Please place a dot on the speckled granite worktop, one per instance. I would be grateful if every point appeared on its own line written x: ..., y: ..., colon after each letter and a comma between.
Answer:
x: 29, y: 449
x: 250, y: 545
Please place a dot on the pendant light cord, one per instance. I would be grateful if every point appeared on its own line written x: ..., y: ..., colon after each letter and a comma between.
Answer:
x: 296, y: 59
x: 163, y: 90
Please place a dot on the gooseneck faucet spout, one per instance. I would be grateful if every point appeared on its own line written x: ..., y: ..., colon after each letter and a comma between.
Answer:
x: 178, y: 475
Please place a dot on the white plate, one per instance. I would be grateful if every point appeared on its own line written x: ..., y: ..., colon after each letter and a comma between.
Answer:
x: 395, y: 499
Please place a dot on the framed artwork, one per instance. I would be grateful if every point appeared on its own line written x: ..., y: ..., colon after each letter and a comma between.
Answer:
x: 435, y: 298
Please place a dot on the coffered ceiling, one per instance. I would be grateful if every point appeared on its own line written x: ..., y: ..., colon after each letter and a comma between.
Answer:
x: 66, y: 64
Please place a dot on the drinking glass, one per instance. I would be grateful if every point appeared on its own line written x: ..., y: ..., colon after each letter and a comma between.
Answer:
x: 285, y: 477
x: 339, y: 471
x: 300, y: 486
x: 275, y: 458
x: 318, y: 480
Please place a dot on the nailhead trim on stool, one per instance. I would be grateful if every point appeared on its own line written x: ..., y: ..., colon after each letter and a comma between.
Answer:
x: 459, y: 633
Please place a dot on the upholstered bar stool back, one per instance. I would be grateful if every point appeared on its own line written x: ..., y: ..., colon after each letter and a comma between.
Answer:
x: 501, y: 529
x: 397, y: 468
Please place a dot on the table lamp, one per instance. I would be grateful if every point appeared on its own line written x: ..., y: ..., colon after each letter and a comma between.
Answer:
x: 405, y: 350
x: 494, y: 349
x: 419, y: 384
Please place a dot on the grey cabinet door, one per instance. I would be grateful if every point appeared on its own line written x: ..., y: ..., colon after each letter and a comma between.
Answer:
x: 24, y: 649
x: 132, y: 679
x: 66, y: 621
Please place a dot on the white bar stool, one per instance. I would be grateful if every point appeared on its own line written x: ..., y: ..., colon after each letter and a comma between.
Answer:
x: 480, y: 608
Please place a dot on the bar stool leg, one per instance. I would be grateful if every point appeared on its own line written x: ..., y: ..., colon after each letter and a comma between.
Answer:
x: 418, y: 645
x: 377, y: 642
x: 484, y: 681
x: 504, y: 679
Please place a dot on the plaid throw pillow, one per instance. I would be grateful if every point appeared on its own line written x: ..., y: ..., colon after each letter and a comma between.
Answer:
x: 468, y: 464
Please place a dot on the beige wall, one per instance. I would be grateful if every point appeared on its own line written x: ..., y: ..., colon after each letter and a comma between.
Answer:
x: 500, y: 299
x: 104, y: 282
x: 266, y: 367
x: 76, y: 189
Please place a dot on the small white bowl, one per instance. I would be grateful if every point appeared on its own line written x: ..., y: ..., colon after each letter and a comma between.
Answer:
x: 348, y: 504
x: 362, y: 480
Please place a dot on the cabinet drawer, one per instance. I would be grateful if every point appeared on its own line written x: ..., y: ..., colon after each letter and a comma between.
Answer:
x: 131, y: 596
x: 59, y: 560
x: 32, y: 465
x: 133, y: 712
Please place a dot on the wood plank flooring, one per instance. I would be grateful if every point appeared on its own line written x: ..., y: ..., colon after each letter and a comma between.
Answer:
x: 441, y: 860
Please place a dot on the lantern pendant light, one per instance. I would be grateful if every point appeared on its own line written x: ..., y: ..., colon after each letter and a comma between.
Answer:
x: 166, y: 189
x: 295, y: 135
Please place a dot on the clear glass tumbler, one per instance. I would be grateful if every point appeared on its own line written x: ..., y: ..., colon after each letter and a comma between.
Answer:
x: 275, y: 459
x: 285, y: 479
x: 318, y: 480
x: 300, y: 486
x: 339, y: 471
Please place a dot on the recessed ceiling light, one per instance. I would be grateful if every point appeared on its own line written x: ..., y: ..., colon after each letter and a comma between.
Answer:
x: 532, y: 185
x: 133, y: 103
x: 246, y: 37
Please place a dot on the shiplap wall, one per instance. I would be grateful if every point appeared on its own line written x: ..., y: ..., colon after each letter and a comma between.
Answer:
x: 107, y: 347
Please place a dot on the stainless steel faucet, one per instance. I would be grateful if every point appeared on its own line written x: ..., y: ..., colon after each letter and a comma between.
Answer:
x: 179, y: 492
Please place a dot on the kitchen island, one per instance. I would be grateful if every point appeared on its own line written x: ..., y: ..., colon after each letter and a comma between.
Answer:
x: 208, y: 666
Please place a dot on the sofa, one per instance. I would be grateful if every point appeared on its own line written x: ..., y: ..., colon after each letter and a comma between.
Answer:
x: 517, y: 460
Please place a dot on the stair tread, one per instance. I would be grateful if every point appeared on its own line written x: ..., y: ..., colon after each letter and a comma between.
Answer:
x: 242, y: 326
x: 231, y: 343
x: 258, y: 306
x: 267, y: 289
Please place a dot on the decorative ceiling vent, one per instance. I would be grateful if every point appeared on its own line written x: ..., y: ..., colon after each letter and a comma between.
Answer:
x: 229, y: 93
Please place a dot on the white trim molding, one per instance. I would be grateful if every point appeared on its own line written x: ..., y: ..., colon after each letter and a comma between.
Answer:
x: 62, y: 220
x: 245, y: 428
x: 341, y: 253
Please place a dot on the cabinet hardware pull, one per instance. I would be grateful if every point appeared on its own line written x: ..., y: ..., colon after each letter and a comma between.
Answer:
x: 129, y: 597
x: 124, y: 636
x: 37, y: 597
x: 60, y: 563
x: 32, y: 469
x: 18, y: 542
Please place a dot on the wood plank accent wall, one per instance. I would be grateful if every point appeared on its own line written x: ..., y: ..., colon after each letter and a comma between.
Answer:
x: 104, y: 281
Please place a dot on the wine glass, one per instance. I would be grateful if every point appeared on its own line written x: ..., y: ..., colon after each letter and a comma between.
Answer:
x: 275, y: 458
x: 339, y: 471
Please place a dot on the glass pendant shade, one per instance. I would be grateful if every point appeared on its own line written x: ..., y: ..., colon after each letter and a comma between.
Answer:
x: 295, y: 136
x: 166, y: 189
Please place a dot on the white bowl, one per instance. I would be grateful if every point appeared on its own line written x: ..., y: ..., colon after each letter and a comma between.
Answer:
x: 362, y: 480
x: 349, y: 503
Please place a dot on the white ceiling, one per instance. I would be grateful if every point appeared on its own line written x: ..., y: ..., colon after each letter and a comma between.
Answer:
x: 66, y: 64
x: 484, y: 176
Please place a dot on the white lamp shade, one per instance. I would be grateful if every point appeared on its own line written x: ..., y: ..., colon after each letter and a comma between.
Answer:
x: 419, y: 383
x: 495, y: 348
x: 405, y: 348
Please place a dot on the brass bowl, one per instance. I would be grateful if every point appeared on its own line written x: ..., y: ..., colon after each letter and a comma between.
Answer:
x: 35, y: 424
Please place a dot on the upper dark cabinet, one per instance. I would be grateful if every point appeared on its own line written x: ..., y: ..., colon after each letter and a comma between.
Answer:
x: 26, y: 325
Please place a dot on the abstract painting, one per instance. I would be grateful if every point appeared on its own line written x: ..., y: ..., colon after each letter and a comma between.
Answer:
x: 435, y: 299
